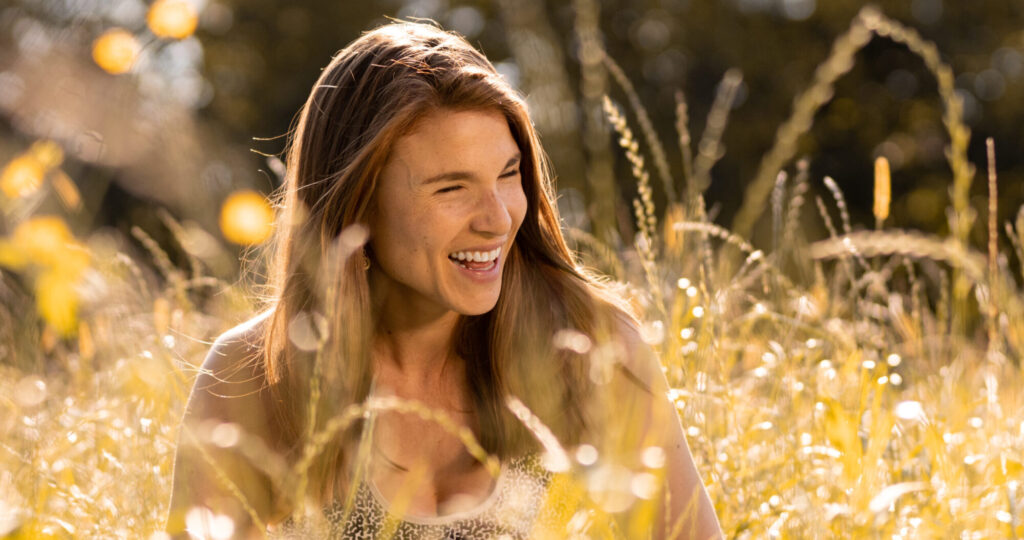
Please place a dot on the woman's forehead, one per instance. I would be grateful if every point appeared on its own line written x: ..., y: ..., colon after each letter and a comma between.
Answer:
x: 446, y: 139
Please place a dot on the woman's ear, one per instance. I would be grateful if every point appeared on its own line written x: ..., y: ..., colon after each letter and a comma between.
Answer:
x: 368, y: 256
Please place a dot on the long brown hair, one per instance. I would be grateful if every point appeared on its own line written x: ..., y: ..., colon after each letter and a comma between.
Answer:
x: 370, y: 94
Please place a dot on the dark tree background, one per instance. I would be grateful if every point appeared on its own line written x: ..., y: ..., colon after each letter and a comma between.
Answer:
x: 177, y: 131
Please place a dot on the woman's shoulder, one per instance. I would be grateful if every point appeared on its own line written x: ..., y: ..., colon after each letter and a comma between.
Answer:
x: 228, y: 399
x: 236, y: 355
x: 230, y: 385
x: 637, y: 358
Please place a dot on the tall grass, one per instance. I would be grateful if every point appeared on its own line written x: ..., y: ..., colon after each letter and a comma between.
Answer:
x: 834, y: 387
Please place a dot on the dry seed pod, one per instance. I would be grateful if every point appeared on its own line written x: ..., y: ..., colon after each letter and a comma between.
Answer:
x: 882, y: 189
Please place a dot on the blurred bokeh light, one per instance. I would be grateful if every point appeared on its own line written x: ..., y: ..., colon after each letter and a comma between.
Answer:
x: 246, y: 218
x: 115, y: 51
x: 175, y: 19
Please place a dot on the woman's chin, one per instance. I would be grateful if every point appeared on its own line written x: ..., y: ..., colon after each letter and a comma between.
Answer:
x: 476, y: 307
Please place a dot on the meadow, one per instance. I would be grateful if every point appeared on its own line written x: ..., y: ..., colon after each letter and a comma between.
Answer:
x: 862, y: 384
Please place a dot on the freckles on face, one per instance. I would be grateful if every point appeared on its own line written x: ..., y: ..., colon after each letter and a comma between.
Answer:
x: 448, y: 205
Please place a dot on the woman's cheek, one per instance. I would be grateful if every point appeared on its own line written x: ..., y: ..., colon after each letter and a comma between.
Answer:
x: 518, y: 207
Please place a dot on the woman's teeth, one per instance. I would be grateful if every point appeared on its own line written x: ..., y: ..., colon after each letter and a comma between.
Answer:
x: 475, y: 256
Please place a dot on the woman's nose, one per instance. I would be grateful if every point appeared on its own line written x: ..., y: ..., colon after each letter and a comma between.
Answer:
x: 492, y: 216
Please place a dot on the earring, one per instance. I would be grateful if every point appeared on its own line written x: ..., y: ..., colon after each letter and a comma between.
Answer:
x: 365, y: 261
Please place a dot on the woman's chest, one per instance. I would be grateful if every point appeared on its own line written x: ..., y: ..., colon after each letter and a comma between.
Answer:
x: 425, y: 466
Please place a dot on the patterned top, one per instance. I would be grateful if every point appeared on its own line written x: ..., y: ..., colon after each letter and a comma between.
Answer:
x: 509, y: 512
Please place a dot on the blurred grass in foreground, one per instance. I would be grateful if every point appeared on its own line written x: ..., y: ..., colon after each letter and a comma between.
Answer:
x: 866, y: 384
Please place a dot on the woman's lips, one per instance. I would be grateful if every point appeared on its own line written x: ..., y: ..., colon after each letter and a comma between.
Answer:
x: 482, y: 272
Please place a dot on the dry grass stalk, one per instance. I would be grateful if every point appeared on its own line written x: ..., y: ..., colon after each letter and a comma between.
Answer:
x: 695, y: 206
x: 686, y: 153
x: 906, y: 243
x: 837, y: 194
x: 710, y: 148
x: 993, y: 247
x: 959, y: 133
x: 646, y: 126
x: 592, y: 246
x: 840, y: 60
x: 719, y: 232
x: 343, y: 420
x: 227, y: 484
x: 796, y: 202
x: 778, y: 200
x: 557, y: 459
x: 644, y: 208
x: 180, y: 236
x: 705, y: 253
x: 160, y: 258
x: 600, y: 175
x: 1018, y: 246
x: 962, y: 216
x: 844, y: 217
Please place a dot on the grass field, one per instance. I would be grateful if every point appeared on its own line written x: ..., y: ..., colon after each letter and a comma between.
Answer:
x: 865, y: 384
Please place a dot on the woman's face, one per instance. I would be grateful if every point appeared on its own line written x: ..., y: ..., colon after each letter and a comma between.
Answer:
x: 447, y: 207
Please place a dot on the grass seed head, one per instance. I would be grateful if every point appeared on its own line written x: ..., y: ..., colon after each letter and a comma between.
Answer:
x: 883, y: 189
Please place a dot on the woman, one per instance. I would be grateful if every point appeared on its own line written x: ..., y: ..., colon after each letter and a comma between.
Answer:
x: 419, y: 256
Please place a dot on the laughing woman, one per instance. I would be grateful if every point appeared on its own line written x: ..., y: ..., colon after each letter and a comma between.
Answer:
x: 420, y: 256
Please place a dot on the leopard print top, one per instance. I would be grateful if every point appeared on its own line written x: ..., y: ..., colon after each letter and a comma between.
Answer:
x: 509, y: 512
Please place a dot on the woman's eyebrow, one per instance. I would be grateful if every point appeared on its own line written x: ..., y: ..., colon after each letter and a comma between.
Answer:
x: 463, y: 175
x: 513, y: 160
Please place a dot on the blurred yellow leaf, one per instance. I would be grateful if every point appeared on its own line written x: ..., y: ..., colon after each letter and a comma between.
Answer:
x: 115, y: 51
x: 22, y: 177
x: 66, y: 190
x: 35, y: 530
x: 47, y: 153
x: 246, y: 218
x: 46, y: 244
x: 57, y: 301
x: 43, y: 240
x: 11, y: 256
x: 175, y: 19
x: 888, y: 496
x: 25, y: 174
x: 66, y: 477
x: 1009, y: 469
x: 161, y: 315
x: 841, y: 430
x: 48, y: 339
x: 86, y: 345
x: 145, y: 376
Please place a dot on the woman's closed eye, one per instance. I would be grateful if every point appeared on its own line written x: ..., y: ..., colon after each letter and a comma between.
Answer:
x: 514, y: 173
x: 448, y: 189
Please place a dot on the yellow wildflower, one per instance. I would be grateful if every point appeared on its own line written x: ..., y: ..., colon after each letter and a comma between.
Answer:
x: 45, y: 246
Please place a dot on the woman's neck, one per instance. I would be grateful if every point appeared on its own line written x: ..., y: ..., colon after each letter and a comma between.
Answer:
x: 416, y: 351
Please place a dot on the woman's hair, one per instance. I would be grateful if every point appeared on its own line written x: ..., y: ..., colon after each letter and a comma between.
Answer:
x: 372, y: 93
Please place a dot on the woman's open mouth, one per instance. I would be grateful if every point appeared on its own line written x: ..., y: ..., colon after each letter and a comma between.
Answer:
x: 478, y: 262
